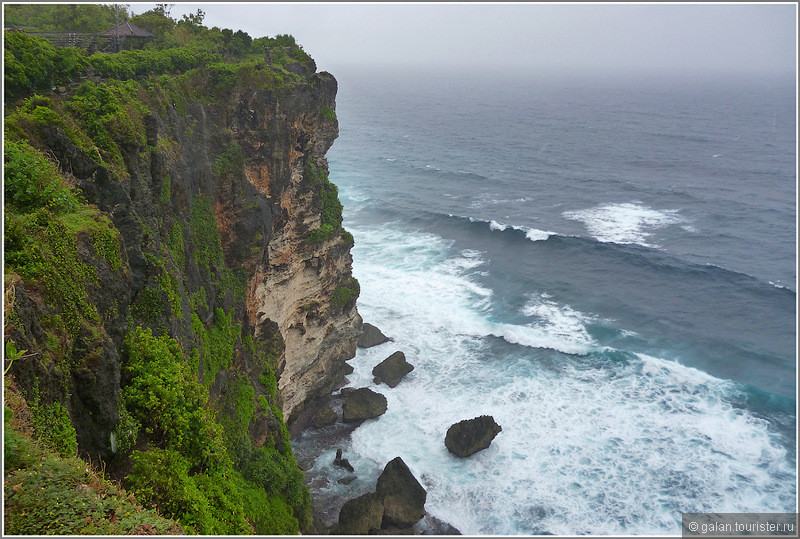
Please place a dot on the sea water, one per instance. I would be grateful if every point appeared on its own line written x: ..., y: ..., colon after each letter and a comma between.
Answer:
x: 607, y: 267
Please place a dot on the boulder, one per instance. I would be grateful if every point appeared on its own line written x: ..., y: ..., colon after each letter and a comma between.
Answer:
x: 325, y: 416
x: 392, y: 369
x: 467, y: 437
x: 370, y: 336
x: 402, y: 496
x: 342, y: 463
x: 361, y: 404
x: 361, y: 515
x: 347, y: 480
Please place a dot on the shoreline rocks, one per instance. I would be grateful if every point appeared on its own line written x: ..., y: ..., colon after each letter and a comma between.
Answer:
x: 397, y: 503
x: 363, y: 403
x: 324, y: 417
x: 392, y: 369
x: 402, y: 495
x: 467, y: 437
x: 371, y: 336
x: 342, y: 463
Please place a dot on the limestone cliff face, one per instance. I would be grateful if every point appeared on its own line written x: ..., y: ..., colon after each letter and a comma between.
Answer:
x: 293, y: 283
x: 227, y: 169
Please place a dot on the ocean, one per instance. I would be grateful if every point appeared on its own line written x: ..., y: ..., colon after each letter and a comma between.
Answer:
x: 607, y: 266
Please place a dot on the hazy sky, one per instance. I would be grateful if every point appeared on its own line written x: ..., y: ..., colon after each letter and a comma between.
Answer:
x: 674, y: 37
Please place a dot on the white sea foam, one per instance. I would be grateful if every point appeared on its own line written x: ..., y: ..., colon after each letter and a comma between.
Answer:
x: 559, y: 320
x: 445, y: 293
x: 604, y: 443
x: 629, y: 222
x: 532, y: 234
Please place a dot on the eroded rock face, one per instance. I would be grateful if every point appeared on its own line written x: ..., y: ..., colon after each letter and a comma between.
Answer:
x: 371, y: 336
x: 467, y: 437
x: 402, y: 495
x: 295, y: 280
x: 392, y: 369
x: 361, y: 516
x: 324, y: 416
x: 397, y: 504
x: 361, y: 404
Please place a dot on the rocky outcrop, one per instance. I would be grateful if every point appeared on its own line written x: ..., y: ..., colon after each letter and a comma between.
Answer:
x: 213, y: 200
x: 324, y: 417
x: 342, y: 462
x: 467, y: 437
x: 397, y: 504
x: 361, y: 516
x: 294, y: 282
x: 392, y: 370
x: 361, y: 404
x: 371, y: 336
x: 402, y: 495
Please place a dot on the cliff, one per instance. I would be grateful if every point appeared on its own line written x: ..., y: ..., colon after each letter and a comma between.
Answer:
x: 178, y: 277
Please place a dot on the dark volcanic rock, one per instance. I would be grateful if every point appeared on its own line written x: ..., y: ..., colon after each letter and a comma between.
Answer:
x: 362, y: 403
x: 361, y: 515
x: 467, y: 437
x: 371, y: 336
x: 342, y: 463
x: 402, y: 495
x: 325, y: 416
x: 392, y: 369
x: 347, y: 480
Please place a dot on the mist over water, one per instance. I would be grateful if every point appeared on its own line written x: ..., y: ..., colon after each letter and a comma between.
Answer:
x: 607, y: 271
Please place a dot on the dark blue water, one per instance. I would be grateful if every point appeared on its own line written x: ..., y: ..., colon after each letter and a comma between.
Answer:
x: 607, y: 267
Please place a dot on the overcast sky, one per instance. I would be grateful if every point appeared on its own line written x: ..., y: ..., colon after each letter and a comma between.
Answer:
x: 757, y: 38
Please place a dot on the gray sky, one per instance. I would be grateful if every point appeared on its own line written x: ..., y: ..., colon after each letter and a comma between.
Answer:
x: 757, y: 38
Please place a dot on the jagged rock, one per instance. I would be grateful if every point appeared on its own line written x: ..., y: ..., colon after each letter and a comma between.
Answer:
x: 347, y: 480
x: 439, y: 527
x: 402, y: 495
x: 467, y: 437
x: 342, y: 463
x: 361, y: 515
x: 371, y: 336
x: 362, y: 403
x: 325, y: 416
x: 347, y: 369
x: 392, y: 369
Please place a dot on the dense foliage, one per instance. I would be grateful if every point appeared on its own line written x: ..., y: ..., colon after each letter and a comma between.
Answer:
x: 185, y: 413
x: 65, y: 17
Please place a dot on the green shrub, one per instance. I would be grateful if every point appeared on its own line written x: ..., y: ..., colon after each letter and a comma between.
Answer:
x: 278, y: 475
x: 328, y: 113
x: 139, y: 63
x: 112, y: 115
x: 49, y: 495
x: 346, y: 294
x: 229, y: 160
x: 331, y: 207
x: 236, y: 409
x: 53, y: 427
x: 168, y: 401
x: 32, y: 63
x: 217, y: 343
x: 32, y: 181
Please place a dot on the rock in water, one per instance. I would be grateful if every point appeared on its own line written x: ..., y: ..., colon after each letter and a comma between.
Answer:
x: 392, y: 369
x: 467, y: 437
x: 361, y: 515
x: 342, y: 463
x: 325, y: 416
x: 371, y: 336
x: 362, y: 403
x: 402, y: 495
